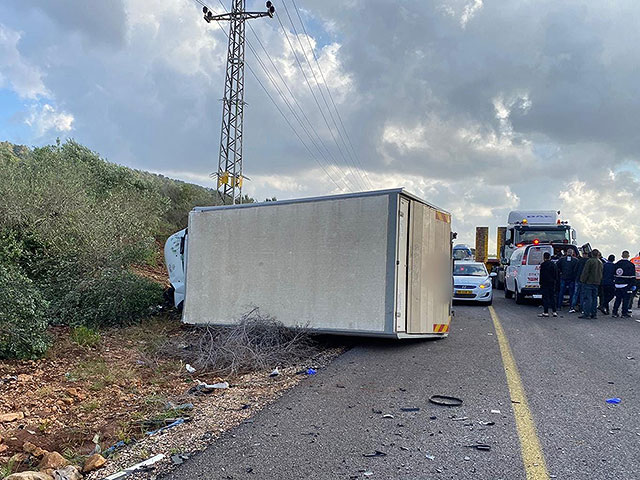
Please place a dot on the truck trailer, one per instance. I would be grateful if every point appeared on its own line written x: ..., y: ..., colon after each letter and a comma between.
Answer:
x: 370, y: 264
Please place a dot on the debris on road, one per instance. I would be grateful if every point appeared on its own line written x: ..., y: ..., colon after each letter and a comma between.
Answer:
x: 387, y: 415
x: 496, y: 412
x: 486, y: 424
x: 614, y: 400
x: 275, y: 372
x: 445, y: 400
x: 311, y: 371
x: 377, y: 453
x: 480, y: 446
x: 189, y: 368
x: 429, y: 457
x: 138, y: 466
x: 458, y: 419
x: 410, y: 409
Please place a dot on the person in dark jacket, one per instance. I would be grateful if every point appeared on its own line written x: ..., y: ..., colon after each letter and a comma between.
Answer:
x: 548, y: 276
x: 623, y: 280
x: 577, y: 290
x: 608, y: 287
x: 590, y: 278
x: 567, y: 267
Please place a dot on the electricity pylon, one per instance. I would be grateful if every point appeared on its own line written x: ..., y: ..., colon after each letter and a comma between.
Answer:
x: 229, y: 172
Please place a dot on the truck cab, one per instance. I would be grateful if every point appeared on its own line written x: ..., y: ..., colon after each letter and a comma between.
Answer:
x: 529, y: 227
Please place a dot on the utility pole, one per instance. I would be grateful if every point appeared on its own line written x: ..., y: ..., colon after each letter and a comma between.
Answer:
x: 229, y: 172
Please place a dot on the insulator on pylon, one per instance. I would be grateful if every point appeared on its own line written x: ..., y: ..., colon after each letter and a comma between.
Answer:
x: 269, y: 4
x: 272, y: 9
x: 205, y: 10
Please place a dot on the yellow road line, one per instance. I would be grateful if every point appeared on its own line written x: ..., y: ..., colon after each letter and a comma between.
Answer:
x: 532, y: 456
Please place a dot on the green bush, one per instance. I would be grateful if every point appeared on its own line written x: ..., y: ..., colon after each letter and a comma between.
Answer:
x: 23, y: 324
x: 85, y: 336
x: 112, y: 298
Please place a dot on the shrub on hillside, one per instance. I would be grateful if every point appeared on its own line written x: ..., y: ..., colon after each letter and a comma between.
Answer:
x: 23, y: 323
x: 111, y: 298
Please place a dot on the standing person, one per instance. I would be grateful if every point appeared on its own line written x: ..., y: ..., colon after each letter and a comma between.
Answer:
x: 577, y: 291
x: 567, y: 267
x: 625, y: 275
x: 608, y: 287
x: 548, y: 277
x: 590, y: 278
x: 636, y: 263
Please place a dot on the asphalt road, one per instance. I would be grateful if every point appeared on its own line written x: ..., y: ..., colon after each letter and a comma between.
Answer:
x: 568, y: 368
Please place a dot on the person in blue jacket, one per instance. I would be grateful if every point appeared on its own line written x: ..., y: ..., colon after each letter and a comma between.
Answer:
x: 608, y: 286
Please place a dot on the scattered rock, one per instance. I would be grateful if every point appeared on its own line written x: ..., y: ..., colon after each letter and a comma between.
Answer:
x: 94, y: 462
x: 67, y: 473
x: 18, y: 458
x: 33, y: 449
x: 11, y: 417
x: 52, y: 460
x: 23, y: 377
x: 29, y: 476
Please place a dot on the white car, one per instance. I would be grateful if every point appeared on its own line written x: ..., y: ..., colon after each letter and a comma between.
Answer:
x: 472, y: 282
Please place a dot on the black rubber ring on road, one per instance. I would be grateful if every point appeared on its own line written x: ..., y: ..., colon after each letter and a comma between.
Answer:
x: 445, y: 400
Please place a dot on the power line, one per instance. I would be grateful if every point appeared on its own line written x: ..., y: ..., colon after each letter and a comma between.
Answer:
x: 295, y: 101
x: 313, y: 94
x: 324, y: 80
x: 278, y: 107
x: 315, y: 78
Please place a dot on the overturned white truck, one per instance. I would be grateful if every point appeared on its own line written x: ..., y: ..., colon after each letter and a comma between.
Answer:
x: 372, y: 264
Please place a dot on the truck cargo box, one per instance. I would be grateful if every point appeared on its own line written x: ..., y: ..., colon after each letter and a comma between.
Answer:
x: 375, y: 264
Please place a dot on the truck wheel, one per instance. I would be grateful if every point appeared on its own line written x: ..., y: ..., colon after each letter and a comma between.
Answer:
x: 519, y: 297
x: 507, y: 293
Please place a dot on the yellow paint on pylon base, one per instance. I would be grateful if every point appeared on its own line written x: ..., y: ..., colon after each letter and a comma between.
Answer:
x: 532, y: 456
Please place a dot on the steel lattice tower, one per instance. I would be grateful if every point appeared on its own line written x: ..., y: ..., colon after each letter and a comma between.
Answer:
x: 229, y: 172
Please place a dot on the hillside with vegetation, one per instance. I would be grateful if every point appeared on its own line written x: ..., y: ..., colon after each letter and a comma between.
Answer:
x: 74, y: 230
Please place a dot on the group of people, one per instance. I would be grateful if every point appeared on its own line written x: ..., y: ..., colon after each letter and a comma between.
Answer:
x: 591, y: 283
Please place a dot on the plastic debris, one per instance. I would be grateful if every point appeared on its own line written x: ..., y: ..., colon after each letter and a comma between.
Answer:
x: 189, y: 368
x: 208, y: 388
x: 377, y: 453
x: 486, y: 424
x: 480, y: 446
x: 387, y: 415
x: 466, y: 459
x: 136, y: 467
x: 410, y: 409
x: 429, y: 457
x: 311, y: 371
x: 113, y: 448
x: 367, y: 474
x: 496, y: 411
x: 275, y: 372
x: 445, y: 400
x: 458, y: 419
x: 179, y: 421
x: 614, y: 400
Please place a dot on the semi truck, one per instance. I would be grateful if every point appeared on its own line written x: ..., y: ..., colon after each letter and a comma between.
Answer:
x: 371, y: 264
x: 525, y: 227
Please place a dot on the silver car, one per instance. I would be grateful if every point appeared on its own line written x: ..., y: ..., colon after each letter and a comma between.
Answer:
x: 472, y: 282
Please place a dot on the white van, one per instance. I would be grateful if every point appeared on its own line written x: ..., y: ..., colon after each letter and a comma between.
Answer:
x: 522, y: 275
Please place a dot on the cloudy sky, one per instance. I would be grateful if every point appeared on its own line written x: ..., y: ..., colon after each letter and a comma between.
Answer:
x: 479, y: 107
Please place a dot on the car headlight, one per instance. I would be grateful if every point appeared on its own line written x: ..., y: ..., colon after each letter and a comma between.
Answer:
x: 486, y: 284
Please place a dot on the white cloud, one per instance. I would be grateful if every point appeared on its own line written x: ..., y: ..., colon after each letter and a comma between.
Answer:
x: 469, y: 12
x: 45, y: 118
x: 15, y: 71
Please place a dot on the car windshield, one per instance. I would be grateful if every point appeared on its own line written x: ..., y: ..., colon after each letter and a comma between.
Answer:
x: 544, y: 236
x: 461, y: 253
x: 469, y: 270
